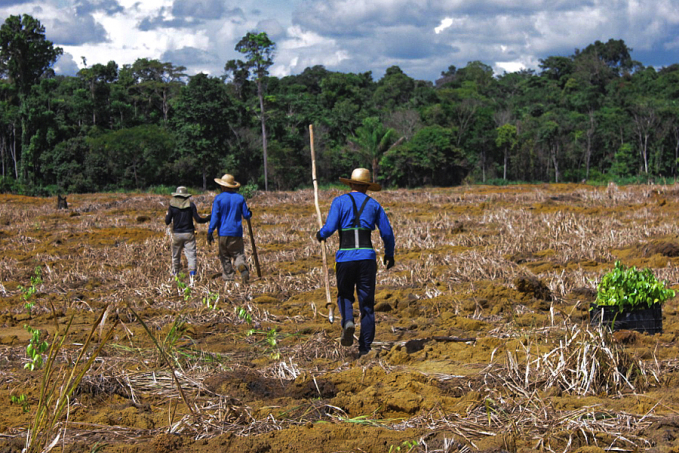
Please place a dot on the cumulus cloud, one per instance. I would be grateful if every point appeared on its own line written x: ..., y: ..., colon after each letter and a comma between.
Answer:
x: 191, y: 57
x: 159, y: 21
x: 15, y: 2
x: 445, y: 23
x: 508, y: 66
x: 190, y: 13
x: 66, y: 65
x: 502, y: 33
x: 273, y: 29
x: 408, y: 42
x: 199, y: 9
x: 92, y: 6
x: 303, y: 49
x: 76, y: 30
x: 423, y: 38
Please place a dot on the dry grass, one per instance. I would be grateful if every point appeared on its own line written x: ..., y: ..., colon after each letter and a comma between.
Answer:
x: 586, y: 362
x: 459, y: 253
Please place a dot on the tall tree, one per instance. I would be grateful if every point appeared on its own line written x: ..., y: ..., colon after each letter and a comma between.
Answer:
x: 203, y: 117
x: 157, y: 83
x: 259, y: 51
x: 430, y: 157
x: 372, y: 140
x: 507, y: 140
x: 25, y: 57
x: 646, y: 120
x: 98, y: 79
x: 394, y: 90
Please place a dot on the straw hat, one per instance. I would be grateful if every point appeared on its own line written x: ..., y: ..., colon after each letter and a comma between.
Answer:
x: 362, y: 176
x: 228, y: 181
x: 181, y: 192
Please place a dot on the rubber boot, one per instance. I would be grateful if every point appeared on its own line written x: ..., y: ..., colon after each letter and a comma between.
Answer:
x: 348, y: 334
x: 244, y: 274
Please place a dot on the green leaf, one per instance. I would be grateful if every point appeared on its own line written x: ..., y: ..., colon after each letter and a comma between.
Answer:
x: 629, y: 288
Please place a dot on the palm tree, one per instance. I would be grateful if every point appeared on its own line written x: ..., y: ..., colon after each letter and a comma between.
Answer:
x: 372, y: 140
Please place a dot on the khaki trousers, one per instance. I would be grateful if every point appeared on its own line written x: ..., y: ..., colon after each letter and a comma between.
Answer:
x: 183, y: 242
x: 231, y: 247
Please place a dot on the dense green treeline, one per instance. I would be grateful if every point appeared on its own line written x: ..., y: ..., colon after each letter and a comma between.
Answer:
x: 596, y: 115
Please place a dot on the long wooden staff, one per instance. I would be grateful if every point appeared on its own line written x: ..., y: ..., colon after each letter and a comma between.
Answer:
x: 254, y: 249
x: 328, y: 300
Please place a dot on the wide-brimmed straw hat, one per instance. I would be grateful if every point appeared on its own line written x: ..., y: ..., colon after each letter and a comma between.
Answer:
x: 181, y: 192
x: 362, y: 176
x: 228, y: 181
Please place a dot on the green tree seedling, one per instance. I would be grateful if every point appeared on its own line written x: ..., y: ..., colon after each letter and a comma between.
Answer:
x: 210, y: 300
x: 28, y: 293
x: 35, y: 349
x: 183, y: 288
x: 21, y: 400
x: 243, y: 314
x: 629, y: 288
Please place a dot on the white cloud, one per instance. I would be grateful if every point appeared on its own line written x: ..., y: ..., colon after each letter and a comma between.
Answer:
x: 303, y: 49
x: 445, y: 23
x: 508, y: 66
x: 66, y: 65
x: 423, y: 38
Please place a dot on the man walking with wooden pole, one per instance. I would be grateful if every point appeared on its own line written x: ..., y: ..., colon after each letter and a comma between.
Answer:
x: 228, y: 210
x: 355, y: 216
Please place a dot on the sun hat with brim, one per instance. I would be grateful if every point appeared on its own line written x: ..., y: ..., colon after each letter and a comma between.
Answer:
x: 181, y: 192
x: 228, y: 181
x: 361, y: 176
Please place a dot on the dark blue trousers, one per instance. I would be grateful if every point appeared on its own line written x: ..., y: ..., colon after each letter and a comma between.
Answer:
x: 358, y: 275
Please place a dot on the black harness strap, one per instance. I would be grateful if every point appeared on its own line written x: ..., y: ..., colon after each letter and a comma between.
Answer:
x: 361, y: 237
x: 357, y: 213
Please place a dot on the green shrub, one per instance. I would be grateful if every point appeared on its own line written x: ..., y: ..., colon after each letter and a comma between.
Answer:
x: 248, y: 191
x: 630, y: 288
x: 7, y: 184
x: 161, y: 190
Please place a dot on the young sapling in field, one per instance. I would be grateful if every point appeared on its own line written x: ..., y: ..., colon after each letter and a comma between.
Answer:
x: 183, y: 288
x: 243, y: 314
x: 407, y: 446
x: 35, y: 349
x: 28, y: 293
x: 20, y: 400
x: 271, y: 340
x: 210, y: 300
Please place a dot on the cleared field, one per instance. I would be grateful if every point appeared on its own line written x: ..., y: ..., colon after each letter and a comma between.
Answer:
x: 482, y: 337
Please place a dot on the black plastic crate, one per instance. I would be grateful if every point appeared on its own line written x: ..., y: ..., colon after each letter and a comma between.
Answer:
x: 645, y: 320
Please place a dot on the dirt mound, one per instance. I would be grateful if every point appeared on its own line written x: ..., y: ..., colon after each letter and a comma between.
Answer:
x: 244, y: 385
x: 167, y: 442
x: 586, y: 294
x: 660, y: 247
x: 533, y: 286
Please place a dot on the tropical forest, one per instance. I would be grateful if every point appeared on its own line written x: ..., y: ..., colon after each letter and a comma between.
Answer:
x: 596, y: 115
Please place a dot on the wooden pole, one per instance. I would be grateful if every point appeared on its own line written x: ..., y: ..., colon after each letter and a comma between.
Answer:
x: 328, y: 300
x: 254, y: 249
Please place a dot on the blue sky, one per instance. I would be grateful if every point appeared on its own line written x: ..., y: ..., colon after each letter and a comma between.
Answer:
x: 422, y: 37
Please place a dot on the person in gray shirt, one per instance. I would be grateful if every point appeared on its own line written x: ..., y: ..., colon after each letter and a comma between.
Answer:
x: 181, y: 213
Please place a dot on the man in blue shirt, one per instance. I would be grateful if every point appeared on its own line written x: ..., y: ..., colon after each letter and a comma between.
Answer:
x: 355, y: 215
x: 228, y: 210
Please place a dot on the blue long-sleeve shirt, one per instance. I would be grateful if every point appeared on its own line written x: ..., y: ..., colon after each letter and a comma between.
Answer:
x: 228, y: 210
x: 341, y: 216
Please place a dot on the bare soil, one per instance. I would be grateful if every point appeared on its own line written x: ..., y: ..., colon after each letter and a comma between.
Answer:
x: 483, y: 340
